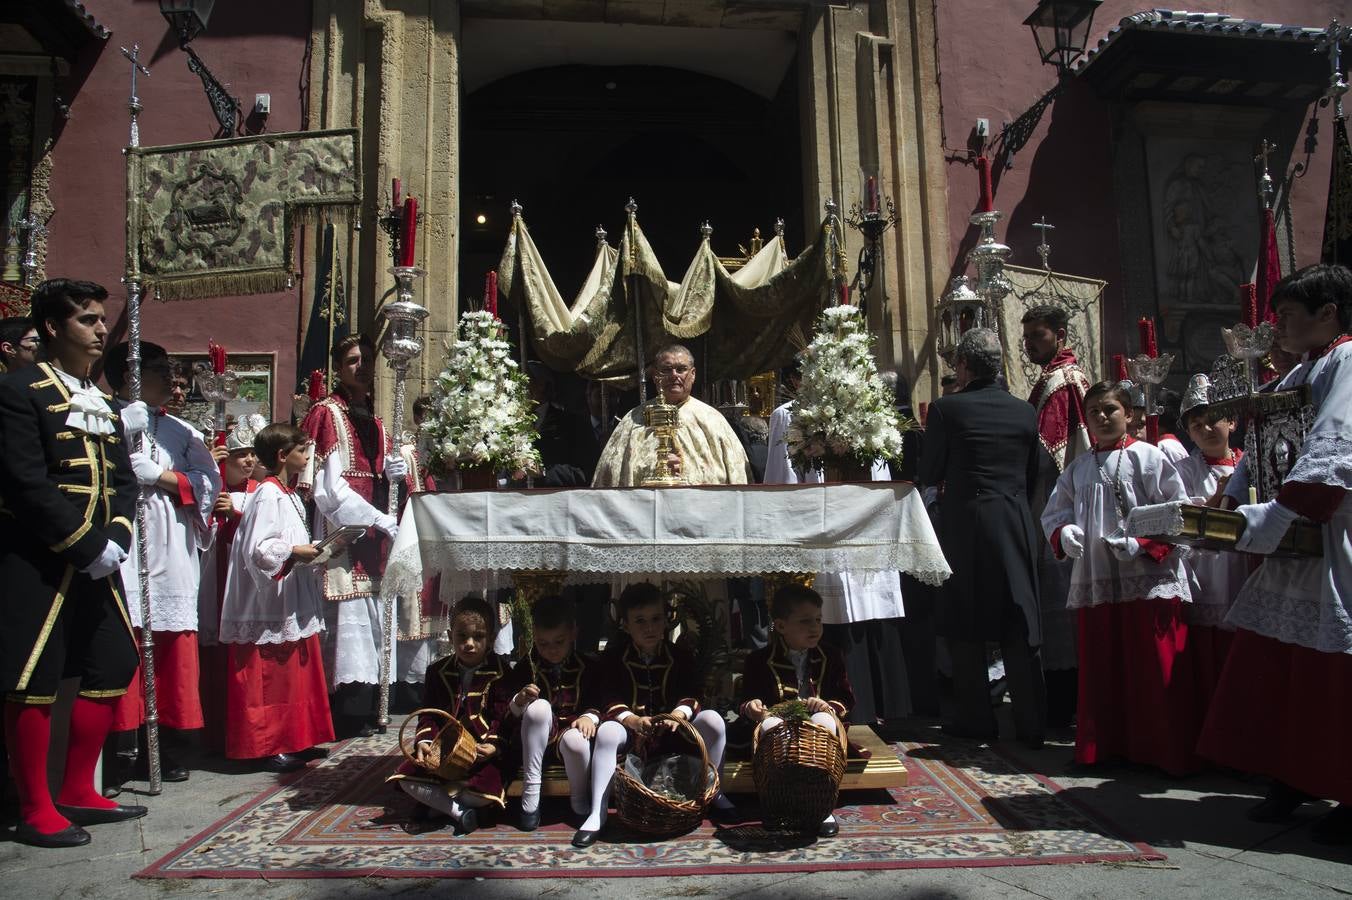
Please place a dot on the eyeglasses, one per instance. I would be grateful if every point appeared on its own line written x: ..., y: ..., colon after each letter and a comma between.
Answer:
x: 673, y: 370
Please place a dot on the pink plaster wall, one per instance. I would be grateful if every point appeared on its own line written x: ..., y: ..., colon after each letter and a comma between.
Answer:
x: 252, y: 46
x: 990, y: 68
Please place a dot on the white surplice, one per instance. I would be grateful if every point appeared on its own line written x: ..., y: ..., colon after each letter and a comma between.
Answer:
x: 846, y: 596
x: 259, y: 606
x: 1309, y: 601
x: 176, y: 533
x: 1085, y: 496
x: 1217, y: 574
x: 210, y: 592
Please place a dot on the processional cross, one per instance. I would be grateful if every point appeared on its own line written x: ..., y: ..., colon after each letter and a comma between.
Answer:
x: 134, y: 102
x: 1044, y: 249
x: 1332, y: 44
x: 1265, y: 149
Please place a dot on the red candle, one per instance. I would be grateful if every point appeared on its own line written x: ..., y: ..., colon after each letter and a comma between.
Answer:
x: 1120, y: 366
x: 216, y: 353
x: 317, y: 387
x: 1146, y: 327
x: 409, y: 227
x: 844, y: 293
x: 986, y: 202
x: 491, y: 292
x: 1248, y: 296
x: 394, y: 195
x: 871, y: 193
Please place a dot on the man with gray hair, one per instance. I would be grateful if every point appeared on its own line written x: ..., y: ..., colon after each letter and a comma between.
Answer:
x: 981, y: 451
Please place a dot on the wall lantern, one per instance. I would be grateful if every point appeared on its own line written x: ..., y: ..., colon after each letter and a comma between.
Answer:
x: 188, y: 18
x: 1061, y: 29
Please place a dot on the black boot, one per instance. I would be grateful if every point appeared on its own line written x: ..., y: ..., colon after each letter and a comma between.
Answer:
x: 1280, y: 802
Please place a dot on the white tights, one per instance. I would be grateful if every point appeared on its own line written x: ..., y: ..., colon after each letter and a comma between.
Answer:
x: 612, y: 737
x: 825, y: 720
x: 438, y: 799
x: 536, y: 723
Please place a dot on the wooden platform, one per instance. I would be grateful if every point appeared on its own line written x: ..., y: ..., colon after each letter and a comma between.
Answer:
x: 882, y: 770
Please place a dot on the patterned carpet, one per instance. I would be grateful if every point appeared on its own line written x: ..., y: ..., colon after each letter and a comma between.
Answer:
x: 966, y: 805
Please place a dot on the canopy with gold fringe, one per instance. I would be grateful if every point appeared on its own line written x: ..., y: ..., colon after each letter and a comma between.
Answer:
x: 737, y: 323
x: 218, y: 217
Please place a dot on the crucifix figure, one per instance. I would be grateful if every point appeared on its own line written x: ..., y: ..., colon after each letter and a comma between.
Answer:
x: 1265, y: 149
x: 1044, y: 249
x: 1332, y: 44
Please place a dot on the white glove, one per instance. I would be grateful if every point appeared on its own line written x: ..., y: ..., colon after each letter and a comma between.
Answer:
x: 396, y: 467
x: 388, y: 524
x: 1124, y: 548
x: 109, y: 561
x: 1072, y: 541
x: 135, y: 419
x: 1265, y: 525
x: 147, y: 471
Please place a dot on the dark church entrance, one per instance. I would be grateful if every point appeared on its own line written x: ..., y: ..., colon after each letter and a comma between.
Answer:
x: 574, y: 143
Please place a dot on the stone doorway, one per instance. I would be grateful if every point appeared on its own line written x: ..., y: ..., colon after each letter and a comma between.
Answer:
x: 572, y: 143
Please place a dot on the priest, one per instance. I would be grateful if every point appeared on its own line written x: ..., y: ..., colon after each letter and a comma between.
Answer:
x: 1058, y: 398
x: 707, y: 449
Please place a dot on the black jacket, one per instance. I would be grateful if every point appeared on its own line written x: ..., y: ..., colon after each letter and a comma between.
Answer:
x: 981, y: 448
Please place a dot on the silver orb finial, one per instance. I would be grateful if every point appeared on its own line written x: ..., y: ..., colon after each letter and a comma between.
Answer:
x: 706, y: 229
x: 517, y: 209
x: 601, y: 234
x: 631, y: 207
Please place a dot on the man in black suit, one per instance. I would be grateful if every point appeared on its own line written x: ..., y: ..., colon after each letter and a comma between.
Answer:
x: 981, y: 448
x: 568, y: 445
x: 67, y: 497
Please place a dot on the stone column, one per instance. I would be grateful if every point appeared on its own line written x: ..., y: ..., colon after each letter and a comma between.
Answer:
x: 869, y: 86
x: 391, y: 69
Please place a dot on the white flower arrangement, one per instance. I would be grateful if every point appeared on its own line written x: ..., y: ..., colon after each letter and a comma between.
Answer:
x: 481, y: 414
x: 844, y: 412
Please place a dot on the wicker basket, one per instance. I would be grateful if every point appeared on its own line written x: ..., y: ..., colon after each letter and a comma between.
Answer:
x: 648, y: 812
x: 797, y: 767
x: 453, y: 752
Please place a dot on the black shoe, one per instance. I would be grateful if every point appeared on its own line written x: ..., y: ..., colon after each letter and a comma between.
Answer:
x: 1278, y: 805
x: 828, y: 829
x: 726, y: 816
x: 529, y: 821
x: 90, y: 815
x: 70, y: 836
x: 312, y: 753
x: 1335, y: 828
x: 170, y: 770
x: 469, y: 822
x: 369, y: 731
x: 283, y: 763
x: 584, y: 839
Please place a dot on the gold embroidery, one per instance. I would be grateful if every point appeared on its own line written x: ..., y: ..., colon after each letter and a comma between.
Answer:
x: 121, y: 520
x: 102, y: 695
x: 72, y: 463
x: 70, y: 541
x: 67, y: 435
x: 58, y: 407
x: 46, y: 631
x: 77, y: 489
x: 29, y: 699
x: 122, y: 608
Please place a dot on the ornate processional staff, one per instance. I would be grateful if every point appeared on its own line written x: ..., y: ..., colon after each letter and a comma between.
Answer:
x: 133, y: 281
x: 401, y: 346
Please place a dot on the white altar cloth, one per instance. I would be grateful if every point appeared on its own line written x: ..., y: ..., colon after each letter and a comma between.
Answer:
x: 706, y: 531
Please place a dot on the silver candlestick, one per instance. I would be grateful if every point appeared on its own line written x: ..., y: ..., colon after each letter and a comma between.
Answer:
x: 988, y: 257
x: 219, y: 389
x: 401, y: 346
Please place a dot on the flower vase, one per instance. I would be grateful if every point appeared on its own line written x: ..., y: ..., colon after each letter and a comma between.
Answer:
x: 479, y: 477
x: 844, y: 470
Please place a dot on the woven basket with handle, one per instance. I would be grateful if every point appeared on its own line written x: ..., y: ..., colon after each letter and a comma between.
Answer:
x: 646, y: 811
x: 797, y: 767
x: 453, y: 751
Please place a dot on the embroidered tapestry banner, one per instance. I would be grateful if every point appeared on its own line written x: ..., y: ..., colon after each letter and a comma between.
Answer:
x: 218, y: 217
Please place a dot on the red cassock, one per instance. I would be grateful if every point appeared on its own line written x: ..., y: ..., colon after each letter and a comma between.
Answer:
x: 571, y: 688
x: 177, y: 698
x: 215, y: 657
x: 1138, y: 698
x: 277, y: 700
x: 481, y: 705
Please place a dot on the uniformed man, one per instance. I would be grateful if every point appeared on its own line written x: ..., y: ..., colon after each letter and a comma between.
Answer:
x: 67, y: 497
